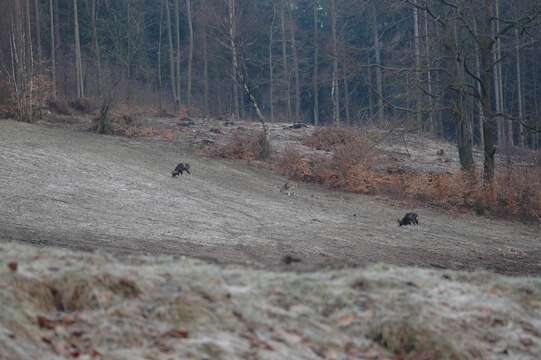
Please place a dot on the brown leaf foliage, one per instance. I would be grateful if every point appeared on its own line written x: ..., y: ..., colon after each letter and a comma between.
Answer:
x: 515, y: 193
x: 244, y: 145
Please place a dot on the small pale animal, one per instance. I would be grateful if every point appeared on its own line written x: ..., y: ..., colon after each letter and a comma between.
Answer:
x: 409, y: 219
x: 179, y: 170
x: 288, y: 189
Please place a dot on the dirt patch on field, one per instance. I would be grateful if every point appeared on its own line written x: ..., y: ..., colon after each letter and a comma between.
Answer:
x: 59, y: 304
x: 84, y: 191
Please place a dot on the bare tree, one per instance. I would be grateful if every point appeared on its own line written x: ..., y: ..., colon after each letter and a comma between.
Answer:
x: 232, y: 15
x: 96, y: 44
x: 172, y: 72
x: 177, y: 33
x: 38, y: 32
x: 78, y: 57
x: 190, y: 52
x: 22, y: 63
x: 53, y: 48
x: 377, y: 52
x: 295, y: 55
x: 316, y: 62
x: 335, y: 90
x: 284, y: 58
x: 271, y: 64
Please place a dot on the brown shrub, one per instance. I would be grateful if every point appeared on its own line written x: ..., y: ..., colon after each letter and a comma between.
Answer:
x: 83, y: 105
x: 295, y: 166
x: 515, y: 193
x: 328, y: 138
x: 244, y: 145
x: 59, y: 106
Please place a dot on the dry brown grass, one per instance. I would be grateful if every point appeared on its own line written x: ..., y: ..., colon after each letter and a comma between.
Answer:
x: 244, y: 145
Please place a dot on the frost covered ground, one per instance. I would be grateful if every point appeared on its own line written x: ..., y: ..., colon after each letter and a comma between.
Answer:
x: 61, y: 304
x: 83, y: 191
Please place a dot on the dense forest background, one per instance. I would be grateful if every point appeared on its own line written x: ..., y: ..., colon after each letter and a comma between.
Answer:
x: 465, y: 70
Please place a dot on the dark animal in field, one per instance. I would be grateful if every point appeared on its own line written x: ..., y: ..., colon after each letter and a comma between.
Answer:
x: 288, y: 260
x: 179, y: 170
x: 296, y: 126
x: 409, y: 219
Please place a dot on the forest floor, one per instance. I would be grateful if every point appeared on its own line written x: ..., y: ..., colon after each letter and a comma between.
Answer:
x: 69, y: 188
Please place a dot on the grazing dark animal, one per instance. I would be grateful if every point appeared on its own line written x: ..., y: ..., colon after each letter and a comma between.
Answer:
x: 296, y: 126
x: 288, y: 260
x: 409, y: 219
x: 179, y: 170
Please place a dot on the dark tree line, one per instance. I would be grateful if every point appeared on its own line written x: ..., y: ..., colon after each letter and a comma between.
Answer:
x: 462, y: 69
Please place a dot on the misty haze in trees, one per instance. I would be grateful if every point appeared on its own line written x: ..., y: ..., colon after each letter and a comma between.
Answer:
x: 464, y: 70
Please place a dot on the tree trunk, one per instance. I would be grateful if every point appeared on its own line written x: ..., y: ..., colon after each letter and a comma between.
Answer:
x: 57, y: 25
x: 177, y: 28
x: 96, y: 45
x: 171, y: 53
x: 432, y: 125
x: 53, y: 47
x: 335, y: 90
x: 38, y: 32
x: 284, y: 59
x: 498, y: 82
x: 159, y: 74
x: 234, y: 56
x: 418, y: 92
x: 316, y: 62
x: 379, y: 74
x: 478, y: 88
x: 519, y: 90
x: 190, y: 52
x: 20, y: 41
x: 78, y: 57
x: 294, y: 53
x: 205, y: 70
x: 128, y: 51
x: 271, y: 65
x: 346, y: 94
x: 486, y: 44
